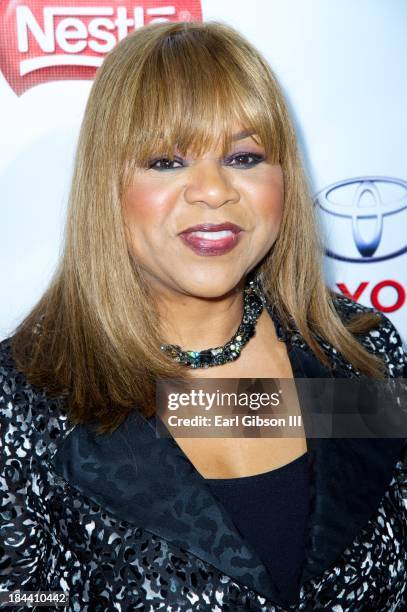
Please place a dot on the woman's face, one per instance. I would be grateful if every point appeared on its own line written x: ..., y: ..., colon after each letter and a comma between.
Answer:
x: 165, y: 201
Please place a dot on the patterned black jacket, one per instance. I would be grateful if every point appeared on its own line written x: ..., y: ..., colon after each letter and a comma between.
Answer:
x: 125, y: 522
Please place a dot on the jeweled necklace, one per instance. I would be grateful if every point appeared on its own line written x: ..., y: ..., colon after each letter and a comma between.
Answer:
x: 252, y: 307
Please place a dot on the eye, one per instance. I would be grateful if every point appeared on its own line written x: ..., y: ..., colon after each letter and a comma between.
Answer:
x: 245, y: 160
x: 164, y: 163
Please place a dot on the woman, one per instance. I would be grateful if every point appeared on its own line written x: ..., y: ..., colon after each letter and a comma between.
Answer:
x: 190, y: 228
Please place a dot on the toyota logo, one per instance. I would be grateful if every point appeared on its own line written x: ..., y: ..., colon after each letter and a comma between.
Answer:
x: 362, y: 218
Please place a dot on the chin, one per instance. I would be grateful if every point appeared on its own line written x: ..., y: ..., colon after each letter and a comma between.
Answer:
x: 212, y: 285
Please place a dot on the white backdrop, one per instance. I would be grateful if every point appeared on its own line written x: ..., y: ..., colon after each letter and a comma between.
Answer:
x: 343, y: 66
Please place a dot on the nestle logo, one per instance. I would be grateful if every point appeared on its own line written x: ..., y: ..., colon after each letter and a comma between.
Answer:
x: 41, y: 42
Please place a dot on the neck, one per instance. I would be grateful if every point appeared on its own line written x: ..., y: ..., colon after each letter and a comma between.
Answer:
x: 196, y: 323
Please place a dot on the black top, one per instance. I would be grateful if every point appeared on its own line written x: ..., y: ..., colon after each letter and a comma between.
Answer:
x: 271, y: 511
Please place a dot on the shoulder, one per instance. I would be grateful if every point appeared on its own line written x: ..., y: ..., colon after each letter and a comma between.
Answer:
x: 384, y: 340
x: 30, y: 420
x: 347, y: 307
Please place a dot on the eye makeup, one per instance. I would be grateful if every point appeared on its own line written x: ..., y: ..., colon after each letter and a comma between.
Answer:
x: 256, y: 158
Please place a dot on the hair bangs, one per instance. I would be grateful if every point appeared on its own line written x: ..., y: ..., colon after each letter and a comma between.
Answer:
x: 190, y: 112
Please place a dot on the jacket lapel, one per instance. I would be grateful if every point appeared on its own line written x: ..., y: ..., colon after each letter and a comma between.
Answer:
x: 150, y: 483
x: 348, y: 478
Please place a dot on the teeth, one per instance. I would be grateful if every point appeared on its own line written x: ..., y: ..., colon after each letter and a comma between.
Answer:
x: 213, y: 235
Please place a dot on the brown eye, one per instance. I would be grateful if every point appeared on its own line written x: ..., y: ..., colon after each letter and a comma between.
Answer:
x: 245, y: 160
x: 164, y: 163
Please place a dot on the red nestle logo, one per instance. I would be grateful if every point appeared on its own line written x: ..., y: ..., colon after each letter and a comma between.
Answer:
x: 56, y: 40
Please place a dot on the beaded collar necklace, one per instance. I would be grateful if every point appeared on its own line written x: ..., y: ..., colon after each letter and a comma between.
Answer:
x: 252, y: 307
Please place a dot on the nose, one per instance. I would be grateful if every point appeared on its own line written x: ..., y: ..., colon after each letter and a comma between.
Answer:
x: 209, y: 184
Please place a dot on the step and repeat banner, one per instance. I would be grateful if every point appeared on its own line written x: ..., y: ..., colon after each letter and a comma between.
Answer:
x: 342, y: 65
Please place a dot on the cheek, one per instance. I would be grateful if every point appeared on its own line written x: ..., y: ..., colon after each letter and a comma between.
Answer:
x: 145, y: 206
x: 267, y: 197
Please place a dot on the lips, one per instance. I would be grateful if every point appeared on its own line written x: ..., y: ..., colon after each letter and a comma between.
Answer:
x: 212, y: 239
x: 213, y: 227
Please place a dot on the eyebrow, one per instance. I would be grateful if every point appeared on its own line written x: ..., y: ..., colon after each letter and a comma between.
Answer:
x: 243, y: 134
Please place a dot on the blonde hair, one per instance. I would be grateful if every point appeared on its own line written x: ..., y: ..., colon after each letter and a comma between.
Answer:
x: 94, y: 335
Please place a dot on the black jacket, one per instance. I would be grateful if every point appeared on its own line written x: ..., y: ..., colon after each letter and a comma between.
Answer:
x: 125, y: 521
